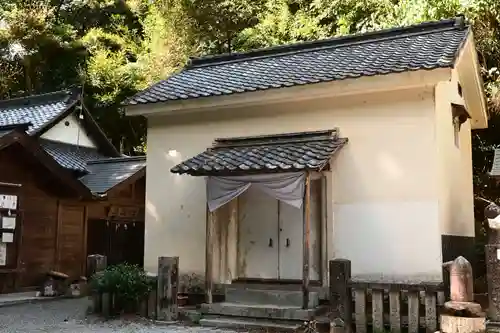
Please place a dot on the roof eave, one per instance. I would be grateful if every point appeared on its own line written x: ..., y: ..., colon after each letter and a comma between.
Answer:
x: 337, y: 88
x: 467, y: 72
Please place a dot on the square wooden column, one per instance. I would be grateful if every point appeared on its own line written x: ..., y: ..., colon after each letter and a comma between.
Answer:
x: 209, y: 249
x: 306, y: 245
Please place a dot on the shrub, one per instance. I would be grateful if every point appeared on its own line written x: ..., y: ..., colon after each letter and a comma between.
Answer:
x: 128, y: 283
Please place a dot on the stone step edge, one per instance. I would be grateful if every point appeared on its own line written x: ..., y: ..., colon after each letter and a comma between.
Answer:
x: 247, y: 324
x: 259, y: 311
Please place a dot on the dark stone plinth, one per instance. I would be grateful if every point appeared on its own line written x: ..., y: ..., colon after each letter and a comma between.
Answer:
x: 340, y: 292
x: 168, y: 282
x: 493, y: 278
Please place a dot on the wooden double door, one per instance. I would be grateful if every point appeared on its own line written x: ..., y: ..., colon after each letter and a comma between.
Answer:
x: 271, y: 237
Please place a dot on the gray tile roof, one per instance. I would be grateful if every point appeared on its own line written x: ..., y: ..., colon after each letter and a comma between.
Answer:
x: 107, y: 173
x: 70, y: 156
x: 265, y: 154
x: 39, y: 110
x: 424, y: 46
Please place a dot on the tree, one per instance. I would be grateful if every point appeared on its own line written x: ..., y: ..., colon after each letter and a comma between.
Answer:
x: 216, y: 23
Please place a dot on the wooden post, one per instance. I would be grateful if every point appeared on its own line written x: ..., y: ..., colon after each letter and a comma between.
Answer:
x: 306, y: 231
x: 232, y: 246
x: 168, y: 281
x: 340, y: 292
x: 360, y: 310
x: 413, y: 311
x: 430, y: 312
x: 378, y: 310
x: 395, y: 310
x: 208, y: 256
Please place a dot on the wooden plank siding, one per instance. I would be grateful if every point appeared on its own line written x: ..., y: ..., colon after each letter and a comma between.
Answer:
x: 71, y: 240
x: 53, y: 227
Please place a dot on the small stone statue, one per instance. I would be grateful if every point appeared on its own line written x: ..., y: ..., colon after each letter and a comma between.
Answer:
x: 461, y: 289
x: 461, y: 280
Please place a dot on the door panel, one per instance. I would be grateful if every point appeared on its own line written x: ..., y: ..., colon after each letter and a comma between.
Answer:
x: 258, y: 235
x: 291, y: 237
x: 290, y: 254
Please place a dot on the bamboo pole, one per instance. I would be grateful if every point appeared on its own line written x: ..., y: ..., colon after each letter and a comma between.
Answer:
x: 305, y: 241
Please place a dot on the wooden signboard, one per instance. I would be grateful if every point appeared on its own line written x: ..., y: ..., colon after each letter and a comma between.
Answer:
x: 124, y: 212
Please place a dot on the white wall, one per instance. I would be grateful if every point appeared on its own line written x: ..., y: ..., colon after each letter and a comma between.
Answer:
x: 384, y: 188
x: 73, y: 133
x: 455, y: 168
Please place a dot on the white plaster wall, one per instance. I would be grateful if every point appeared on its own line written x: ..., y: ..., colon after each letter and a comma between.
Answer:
x: 383, y: 190
x: 74, y: 133
x: 455, y: 168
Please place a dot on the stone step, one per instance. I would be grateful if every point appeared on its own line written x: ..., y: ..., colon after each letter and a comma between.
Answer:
x: 266, y: 311
x: 277, y: 297
x: 248, y: 323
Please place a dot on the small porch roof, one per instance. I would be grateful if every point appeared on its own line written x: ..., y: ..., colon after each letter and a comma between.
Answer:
x: 289, y: 152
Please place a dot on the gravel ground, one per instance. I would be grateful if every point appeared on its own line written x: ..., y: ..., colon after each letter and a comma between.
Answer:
x: 68, y: 316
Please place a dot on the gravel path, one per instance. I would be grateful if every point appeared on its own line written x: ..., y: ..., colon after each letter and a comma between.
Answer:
x: 68, y: 316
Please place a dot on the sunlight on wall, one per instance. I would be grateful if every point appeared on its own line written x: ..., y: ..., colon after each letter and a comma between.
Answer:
x: 152, y: 211
x: 390, y: 166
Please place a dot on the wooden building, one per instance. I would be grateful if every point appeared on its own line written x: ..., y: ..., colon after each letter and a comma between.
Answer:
x: 65, y: 192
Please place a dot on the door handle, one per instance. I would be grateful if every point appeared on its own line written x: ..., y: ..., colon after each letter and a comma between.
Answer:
x: 288, y: 242
x: 270, y: 242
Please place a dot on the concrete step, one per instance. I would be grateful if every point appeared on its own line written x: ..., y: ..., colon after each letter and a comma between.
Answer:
x: 248, y: 323
x: 266, y: 311
x: 277, y: 297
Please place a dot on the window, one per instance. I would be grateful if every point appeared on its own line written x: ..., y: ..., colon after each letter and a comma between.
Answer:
x: 459, y: 116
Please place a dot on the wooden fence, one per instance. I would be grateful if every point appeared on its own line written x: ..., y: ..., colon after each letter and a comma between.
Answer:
x: 383, y: 305
x: 159, y: 304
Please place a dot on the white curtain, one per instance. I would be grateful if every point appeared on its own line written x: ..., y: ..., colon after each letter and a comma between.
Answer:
x: 286, y: 187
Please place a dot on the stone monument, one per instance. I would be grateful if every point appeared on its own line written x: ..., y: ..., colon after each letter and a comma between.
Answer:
x: 492, y: 253
x: 461, y: 314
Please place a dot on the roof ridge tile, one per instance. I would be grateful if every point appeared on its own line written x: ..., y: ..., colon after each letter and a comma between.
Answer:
x: 327, y: 43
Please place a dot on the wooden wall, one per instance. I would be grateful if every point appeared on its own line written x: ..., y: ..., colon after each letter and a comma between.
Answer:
x: 38, y: 214
x: 54, y: 227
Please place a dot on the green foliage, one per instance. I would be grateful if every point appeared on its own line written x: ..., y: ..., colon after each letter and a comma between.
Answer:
x: 126, y: 282
x: 117, y: 47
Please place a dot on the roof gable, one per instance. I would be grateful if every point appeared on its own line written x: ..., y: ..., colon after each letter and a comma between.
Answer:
x: 31, y: 145
x: 424, y: 46
x: 43, y: 112
x: 39, y: 111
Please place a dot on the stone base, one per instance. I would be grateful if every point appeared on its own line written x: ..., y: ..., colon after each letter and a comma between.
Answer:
x: 463, y: 309
x: 452, y: 324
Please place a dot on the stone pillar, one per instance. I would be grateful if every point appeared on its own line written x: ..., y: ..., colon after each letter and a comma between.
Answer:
x: 492, y: 252
x: 340, y: 293
x: 168, y: 282
x: 493, y: 278
x: 95, y: 263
